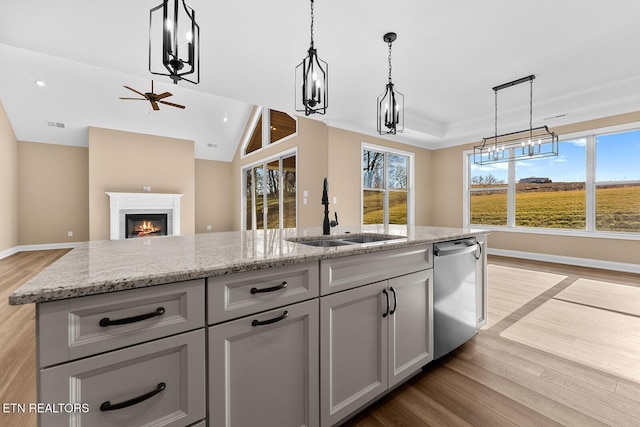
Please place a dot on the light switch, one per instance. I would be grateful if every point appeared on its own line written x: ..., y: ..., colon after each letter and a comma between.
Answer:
x: 335, y: 200
x: 305, y: 193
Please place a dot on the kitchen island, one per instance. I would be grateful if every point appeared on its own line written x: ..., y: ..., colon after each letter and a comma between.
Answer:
x: 116, y: 347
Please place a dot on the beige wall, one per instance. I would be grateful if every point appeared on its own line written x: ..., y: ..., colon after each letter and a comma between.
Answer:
x: 448, y: 197
x: 126, y: 161
x: 345, y: 167
x: 311, y: 143
x: 8, y: 184
x: 214, y: 187
x: 53, y: 193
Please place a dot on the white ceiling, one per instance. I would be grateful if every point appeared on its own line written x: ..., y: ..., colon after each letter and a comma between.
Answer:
x: 448, y: 56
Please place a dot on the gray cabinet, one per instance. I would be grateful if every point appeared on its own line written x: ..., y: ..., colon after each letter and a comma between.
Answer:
x: 157, y: 383
x: 371, y: 338
x: 133, y: 358
x: 263, y: 369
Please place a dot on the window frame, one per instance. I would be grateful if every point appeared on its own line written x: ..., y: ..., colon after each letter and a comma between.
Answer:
x: 265, y: 113
x: 410, y: 184
x: 590, y: 187
x: 243, y: 176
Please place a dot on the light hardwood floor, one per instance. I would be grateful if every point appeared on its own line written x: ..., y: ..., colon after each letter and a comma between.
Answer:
x: 18, y: 336
x: 538, y: 362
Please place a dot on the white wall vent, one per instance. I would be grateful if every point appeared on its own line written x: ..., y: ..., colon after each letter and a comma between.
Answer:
x: 55, y: 124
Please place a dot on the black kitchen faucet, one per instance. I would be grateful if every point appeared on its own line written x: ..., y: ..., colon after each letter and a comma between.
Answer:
x: 326, y: 224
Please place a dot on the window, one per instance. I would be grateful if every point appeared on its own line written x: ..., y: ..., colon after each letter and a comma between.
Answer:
x: 270, y: 193
x: 386, y: 195
x: 550, y: 191
x: 269, y: 127
x: 592, y: 186
x: 617, y: 182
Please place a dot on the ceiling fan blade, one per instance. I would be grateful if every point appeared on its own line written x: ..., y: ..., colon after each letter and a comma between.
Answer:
x: 135, y: 99
x: 139, y: 93
x: 172, y: 104
x: 163, y: 95
x: 155, y: 105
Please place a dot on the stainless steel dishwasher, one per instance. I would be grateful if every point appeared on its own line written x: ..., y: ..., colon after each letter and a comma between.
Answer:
x: 454, y: 294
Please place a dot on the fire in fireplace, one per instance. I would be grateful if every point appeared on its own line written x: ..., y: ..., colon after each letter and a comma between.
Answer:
x: 143, y: 225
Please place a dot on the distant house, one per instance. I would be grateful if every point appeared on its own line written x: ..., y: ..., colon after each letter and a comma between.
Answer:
x: 534, y: 180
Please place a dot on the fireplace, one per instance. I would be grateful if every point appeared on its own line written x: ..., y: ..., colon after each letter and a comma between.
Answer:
x: 144, y: 225
x: 148, y: 205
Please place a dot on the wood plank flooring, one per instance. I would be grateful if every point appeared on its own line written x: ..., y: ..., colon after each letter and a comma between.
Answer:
x: 17, y: 336
x: 498, y: 378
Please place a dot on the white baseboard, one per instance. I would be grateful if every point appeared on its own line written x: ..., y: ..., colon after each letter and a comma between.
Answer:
x: 559, y: 259
x: 8, y: 252
x: 42, y: 247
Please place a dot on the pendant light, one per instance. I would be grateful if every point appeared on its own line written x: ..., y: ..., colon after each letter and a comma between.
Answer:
x: 526, y: 144
x: 391, y: 102
x: 174, y: 42
x: 311, y: 81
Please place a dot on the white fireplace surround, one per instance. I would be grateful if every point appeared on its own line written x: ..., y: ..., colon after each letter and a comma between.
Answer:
x: 122, y: 204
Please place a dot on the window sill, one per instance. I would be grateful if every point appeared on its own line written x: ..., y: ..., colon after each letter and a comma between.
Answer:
x: 561, y: 232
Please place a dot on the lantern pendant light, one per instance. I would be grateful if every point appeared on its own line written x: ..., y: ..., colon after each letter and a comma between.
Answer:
x: 525, y: 144
x: 174, y: 42
x: 311, y: 81
x: 391, y: 102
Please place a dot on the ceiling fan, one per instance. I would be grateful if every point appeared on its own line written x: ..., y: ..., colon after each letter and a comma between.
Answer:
x: 153, y: 98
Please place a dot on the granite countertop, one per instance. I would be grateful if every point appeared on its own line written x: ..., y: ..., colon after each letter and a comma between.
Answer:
x: 106, y: 266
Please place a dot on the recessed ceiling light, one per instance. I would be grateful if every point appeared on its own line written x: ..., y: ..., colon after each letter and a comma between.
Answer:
x: 225, y: 118
x: 39, y: 83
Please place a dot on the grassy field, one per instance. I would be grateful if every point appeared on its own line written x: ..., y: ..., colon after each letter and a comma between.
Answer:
x: 374, y: 208
x: 560, y: 205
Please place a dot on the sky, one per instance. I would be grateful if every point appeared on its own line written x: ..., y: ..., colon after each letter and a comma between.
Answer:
x: 617, y: 159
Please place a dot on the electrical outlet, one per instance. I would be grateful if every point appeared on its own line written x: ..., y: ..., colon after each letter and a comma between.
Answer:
x: 208, y: 227
x: 69, y: 233
x: 304, y: 201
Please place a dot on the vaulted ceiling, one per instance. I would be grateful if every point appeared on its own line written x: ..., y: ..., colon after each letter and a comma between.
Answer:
x: 446, y: 59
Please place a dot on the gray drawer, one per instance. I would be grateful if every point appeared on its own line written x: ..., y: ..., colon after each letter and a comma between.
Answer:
x: 230, y: 297
x: 70, y: 329
x: 121, y: 376
x: 339, y: 274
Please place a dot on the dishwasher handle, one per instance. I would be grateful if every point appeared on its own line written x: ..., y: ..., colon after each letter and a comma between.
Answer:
x: 456, y: 251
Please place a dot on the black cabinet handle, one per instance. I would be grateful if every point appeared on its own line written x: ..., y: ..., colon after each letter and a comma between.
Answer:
x: 107, y: 406
x: 270, y: 321
x: 395, y: 301
x: 272, y: 289
x: 105, y: 321
x: 386, y: 294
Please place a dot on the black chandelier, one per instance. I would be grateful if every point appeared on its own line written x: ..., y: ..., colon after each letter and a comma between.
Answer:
x: 174, y: 23
x: 530, y: 143
x: 391, y: 102
x: 311, y: 81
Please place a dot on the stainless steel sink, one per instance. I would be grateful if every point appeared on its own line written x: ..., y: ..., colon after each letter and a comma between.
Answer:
x: 348, y: 240
x: 324, y: 243
x: 370, y: 239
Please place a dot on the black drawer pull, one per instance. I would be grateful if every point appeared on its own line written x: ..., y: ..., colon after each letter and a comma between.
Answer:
x: 272, y: 289
x: 105, y: 321
x: 386, y: 294
x: 107, y: 406
x: 270, y: 321
x: 395, y: 301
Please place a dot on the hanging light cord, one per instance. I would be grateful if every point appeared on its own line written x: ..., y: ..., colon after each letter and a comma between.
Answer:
x: 495, y: 141
x: 311, y: 23
x: 390, y: 62
x: 531, y: 111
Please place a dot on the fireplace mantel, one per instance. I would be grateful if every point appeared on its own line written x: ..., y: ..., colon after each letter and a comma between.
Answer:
x: 121, y: 204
